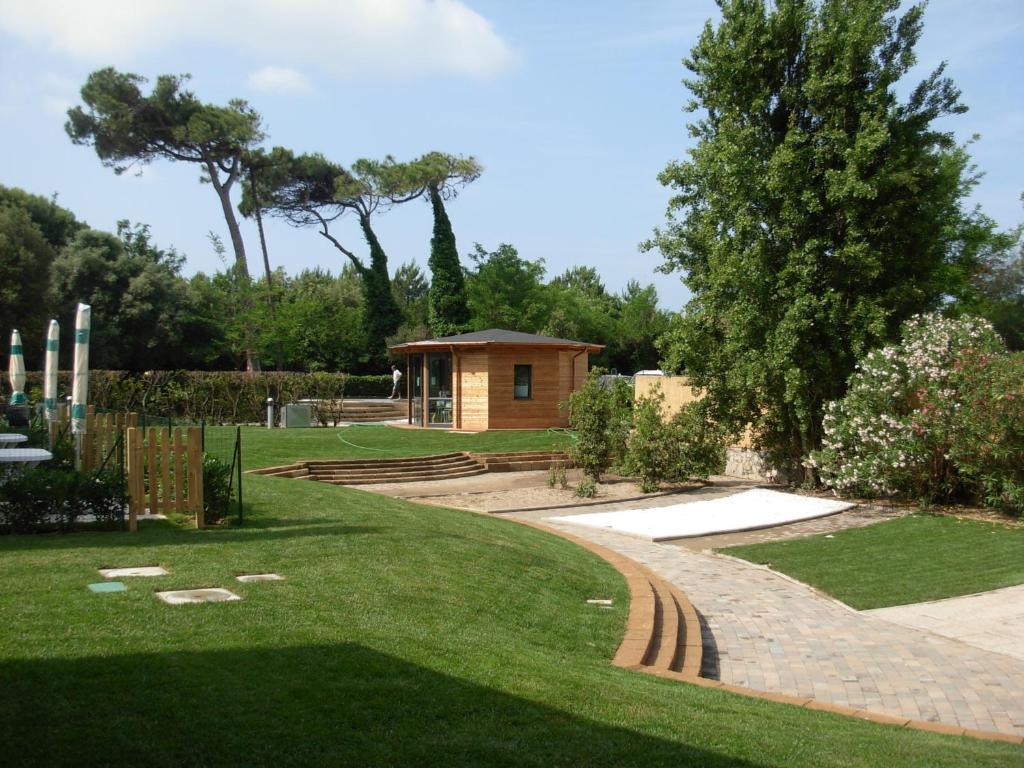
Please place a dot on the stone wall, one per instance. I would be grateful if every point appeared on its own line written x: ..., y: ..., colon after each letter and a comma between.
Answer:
x: 749, y: 464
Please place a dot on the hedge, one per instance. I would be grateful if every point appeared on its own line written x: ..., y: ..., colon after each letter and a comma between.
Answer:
x: 219, y: 397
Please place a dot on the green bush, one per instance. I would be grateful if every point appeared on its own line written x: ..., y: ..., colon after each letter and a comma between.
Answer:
x: 938, y: 418
x: 586, y: 488
x: 216, y: 489
x: 54, y: 498
x: 689, y: 445
x: 601, y: 418
x: 987, y: 444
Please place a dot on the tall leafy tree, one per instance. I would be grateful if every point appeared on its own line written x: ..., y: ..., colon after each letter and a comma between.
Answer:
x: 506, y: 290
x: 310, y: 190
x: 816, y: 211
x: 57, y: 224
x: 640, y: 323
x: 126, y: 128
x: 411, y: 290
x: 140, y: 302
x: 25, y: 258
x: 444, y: 176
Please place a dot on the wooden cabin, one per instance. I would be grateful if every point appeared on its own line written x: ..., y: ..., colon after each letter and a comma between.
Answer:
x: 492, y: 379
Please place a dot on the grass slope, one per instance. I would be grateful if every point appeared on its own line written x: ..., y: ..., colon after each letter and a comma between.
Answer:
x: 404, y: 635
x: 909, y: 560
x: 263, y: 447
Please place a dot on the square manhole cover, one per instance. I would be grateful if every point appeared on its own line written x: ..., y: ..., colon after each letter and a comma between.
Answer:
x: 246, y: 578
x: 213, y: 595
x: 145, y: 570
x: 108, y: 586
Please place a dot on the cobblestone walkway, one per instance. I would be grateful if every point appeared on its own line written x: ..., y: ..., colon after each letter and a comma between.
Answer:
x: 770, y: 633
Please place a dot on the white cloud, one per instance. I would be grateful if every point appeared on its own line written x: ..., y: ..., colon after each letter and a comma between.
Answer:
x: 397, y: 38
x: 280, y: 80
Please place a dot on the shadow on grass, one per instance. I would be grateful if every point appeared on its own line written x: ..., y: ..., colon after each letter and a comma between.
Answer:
x: 307, y: 705
x: 157, y: 534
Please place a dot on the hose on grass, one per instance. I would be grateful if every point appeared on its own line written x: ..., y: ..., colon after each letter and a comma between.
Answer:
x: 563, y: 431
x: 364, y: 447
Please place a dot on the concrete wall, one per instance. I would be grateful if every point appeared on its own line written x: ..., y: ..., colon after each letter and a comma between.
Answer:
x: 676, y: 389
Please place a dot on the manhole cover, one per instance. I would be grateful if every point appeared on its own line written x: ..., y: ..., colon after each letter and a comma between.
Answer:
x: 182, y: 596
x: 145, y: 570
x: 259, y: 577
x: 108, y: 586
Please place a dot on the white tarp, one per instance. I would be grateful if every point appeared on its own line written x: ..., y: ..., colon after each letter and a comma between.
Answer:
x: 80, y: 376
x: 50, y: 371
x: 756, y: 508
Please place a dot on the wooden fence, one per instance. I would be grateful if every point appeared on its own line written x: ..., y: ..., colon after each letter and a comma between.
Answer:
x: 163, y: 467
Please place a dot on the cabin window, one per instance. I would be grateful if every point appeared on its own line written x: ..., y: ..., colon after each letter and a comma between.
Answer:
x: 523, y: 382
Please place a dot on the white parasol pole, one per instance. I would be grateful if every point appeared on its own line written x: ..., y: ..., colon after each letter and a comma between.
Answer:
x: 80, y: 379
x: 50, y: 371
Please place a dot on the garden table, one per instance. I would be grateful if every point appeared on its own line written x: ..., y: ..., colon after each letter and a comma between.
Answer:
x: 11, y: 439
x: 14, y: 460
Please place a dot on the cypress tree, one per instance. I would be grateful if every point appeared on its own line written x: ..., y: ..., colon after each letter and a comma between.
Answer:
x: 448, y: 312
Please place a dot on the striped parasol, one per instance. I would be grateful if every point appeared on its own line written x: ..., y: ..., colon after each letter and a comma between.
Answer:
x: 16, y: 371
x: 50, y: 371
x: 80, y: 375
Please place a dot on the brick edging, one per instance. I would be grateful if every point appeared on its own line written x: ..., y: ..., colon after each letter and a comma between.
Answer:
x: 639, y: 627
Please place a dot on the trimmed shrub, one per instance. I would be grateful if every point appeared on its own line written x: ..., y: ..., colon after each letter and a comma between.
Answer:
x: 938, y: 417
x: 48, y: 498
x: 219, y: 397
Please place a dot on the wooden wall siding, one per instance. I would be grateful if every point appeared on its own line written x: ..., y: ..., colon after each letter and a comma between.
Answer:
x: 582, y: 368
x: 473, y: 403
x: 505, y: 412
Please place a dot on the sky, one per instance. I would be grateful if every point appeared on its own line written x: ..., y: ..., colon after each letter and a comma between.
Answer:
x: 572, y: 107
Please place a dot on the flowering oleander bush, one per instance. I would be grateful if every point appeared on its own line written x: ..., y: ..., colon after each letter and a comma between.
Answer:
x: 939, y: 416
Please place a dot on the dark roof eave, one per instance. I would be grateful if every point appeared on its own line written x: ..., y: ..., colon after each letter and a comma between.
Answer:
x: 413, y: 346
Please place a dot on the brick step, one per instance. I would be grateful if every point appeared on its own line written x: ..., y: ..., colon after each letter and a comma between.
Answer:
x: 656, y: 637
x: 520, y: 455
x: 426, y: 469
x: 300, y: 472
x: 282, y: 471
x: 521, y: 466
x: 406, y: 478
x: 390, y: 462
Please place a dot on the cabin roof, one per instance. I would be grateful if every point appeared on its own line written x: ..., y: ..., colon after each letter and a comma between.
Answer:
x: 497, y: 336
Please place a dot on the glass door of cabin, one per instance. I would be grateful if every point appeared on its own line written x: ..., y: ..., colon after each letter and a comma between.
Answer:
x: 439, y: 389
x: 415, y: 378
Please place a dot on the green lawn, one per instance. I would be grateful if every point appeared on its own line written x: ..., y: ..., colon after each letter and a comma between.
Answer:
x: 263, y: 447
x: 403, y: 635
x: 909, y: 560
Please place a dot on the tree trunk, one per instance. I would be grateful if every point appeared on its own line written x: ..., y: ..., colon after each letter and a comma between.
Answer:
x: 266, y: 266
x: 223, y: 190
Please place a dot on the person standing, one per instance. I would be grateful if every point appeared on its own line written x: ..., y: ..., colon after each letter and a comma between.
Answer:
x: 396, y: 377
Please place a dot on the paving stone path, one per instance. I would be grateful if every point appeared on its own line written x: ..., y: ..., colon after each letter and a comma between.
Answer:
x: 770, y: 633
